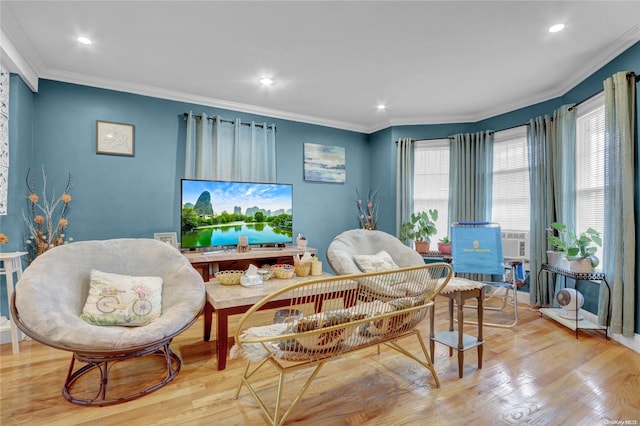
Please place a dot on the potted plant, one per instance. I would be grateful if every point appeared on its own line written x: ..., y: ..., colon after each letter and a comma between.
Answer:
x: 557, y: 257
x: 582, y: 250
x: 420, y: 228
x: 444, y: 246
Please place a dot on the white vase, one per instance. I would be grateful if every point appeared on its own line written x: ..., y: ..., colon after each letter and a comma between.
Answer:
x: 581, y: 266
x: 557, y: 259
x: 554, y: 258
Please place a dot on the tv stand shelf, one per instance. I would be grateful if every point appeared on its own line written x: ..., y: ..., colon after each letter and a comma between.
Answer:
x: 208, y: 263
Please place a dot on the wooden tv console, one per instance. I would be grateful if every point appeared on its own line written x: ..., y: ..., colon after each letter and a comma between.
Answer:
x: 210, y: 262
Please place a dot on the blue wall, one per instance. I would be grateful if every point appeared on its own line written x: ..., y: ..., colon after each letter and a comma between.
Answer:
x: 137, y: 196
x: 116, y: 196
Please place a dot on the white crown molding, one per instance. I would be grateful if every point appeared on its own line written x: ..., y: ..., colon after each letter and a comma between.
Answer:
x: 157, y: 92
x: 622, y: 43
x: 24, y: 61
x: 16, y: 63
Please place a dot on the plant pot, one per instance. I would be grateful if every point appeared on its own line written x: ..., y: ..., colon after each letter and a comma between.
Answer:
x: 557, y: 259
x: 422, y: 246
x: 581, y: 266
x: 444, y: 248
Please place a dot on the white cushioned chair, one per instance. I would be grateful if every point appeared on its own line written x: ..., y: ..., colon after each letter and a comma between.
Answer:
x: 343, y: 248
x: 49, y: 298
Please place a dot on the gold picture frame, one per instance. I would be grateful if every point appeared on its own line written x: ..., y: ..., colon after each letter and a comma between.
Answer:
x: 115, y: 138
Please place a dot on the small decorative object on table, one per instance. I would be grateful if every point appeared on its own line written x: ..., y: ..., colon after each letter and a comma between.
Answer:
x: 301, y: 242
x: 265, y: 272
x: 243, y: 244
x: 251, y: 278
x: 230, y: 277
x: 282, y: 271
x: 316, y: 267
x: 302, y: 265
x: 170, y: 238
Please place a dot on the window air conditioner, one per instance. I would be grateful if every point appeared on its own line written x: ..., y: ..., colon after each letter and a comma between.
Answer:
x: 515, y: 244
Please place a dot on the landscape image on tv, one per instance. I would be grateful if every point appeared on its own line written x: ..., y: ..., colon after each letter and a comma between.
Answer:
x: 216, y: 213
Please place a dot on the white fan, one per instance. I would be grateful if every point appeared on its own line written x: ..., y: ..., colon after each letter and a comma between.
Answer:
x: 571, y: 300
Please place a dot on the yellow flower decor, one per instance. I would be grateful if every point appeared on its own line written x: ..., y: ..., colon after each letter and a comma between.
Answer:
x: 47, y: 220
x: 3, y: 238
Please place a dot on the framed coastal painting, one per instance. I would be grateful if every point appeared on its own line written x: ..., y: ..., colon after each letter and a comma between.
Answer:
x: 115, y: 138
x: 324, y: 163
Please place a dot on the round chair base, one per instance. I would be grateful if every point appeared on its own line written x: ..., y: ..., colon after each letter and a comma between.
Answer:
x: 104, y: 364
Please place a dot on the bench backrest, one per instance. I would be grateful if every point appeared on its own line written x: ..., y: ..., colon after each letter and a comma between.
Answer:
x: 330, y: 315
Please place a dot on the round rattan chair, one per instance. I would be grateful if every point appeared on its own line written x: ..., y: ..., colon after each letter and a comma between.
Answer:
x: 49, y: 298
x: 362, y: 241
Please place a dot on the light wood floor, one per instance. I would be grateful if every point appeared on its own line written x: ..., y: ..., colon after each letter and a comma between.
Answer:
x: 536, y: 373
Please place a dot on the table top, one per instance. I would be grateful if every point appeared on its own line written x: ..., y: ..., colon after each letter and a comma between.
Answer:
x: 12, y: 255
x: 229, y: 296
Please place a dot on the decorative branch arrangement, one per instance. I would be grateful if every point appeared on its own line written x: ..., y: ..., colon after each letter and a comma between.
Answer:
x: 47, y: 221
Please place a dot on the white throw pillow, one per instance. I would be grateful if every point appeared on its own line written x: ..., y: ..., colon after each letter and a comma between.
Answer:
x: 116, y: 299
x: 381, y: 261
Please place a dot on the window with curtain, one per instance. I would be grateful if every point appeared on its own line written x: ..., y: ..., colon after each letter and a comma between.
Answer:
x: 590, y: 167
x: 217, y: 148
x: 431, y: 181
x: 511, y: 205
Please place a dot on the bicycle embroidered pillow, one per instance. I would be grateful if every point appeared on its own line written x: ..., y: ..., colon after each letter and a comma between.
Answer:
x: 116, y: 299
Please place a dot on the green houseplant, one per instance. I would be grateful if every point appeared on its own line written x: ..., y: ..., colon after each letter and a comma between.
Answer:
x: 444, y: 245
x: 582, y: 250
x: 579, y: 249
x: 420, y: 228
x: 558, y: 240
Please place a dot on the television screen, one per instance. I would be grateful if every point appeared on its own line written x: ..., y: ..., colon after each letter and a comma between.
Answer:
x: 216, y: 213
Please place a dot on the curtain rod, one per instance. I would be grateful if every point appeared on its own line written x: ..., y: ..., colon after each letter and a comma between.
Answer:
x: 629, y: 74
x: 224, y: 120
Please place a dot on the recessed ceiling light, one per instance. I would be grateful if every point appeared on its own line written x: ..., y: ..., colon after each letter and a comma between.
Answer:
x: 266, y: 81
x: 555, y: 28
x: 84, y: 40
x: 382, y: 107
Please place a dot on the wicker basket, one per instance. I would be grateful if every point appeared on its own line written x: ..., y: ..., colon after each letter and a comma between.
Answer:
x: 282, y: 271
x: 302, y: 269
x: 229, y: 277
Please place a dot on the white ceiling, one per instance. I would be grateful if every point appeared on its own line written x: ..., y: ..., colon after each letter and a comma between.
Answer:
x: 333, y: 61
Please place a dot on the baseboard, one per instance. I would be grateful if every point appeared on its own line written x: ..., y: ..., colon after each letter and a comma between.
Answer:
x: 632, y: 343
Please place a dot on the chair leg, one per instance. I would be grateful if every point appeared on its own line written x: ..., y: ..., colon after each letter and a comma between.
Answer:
x: 426, y: 363
x: 505, y: 297
x: 105, y: 363
x: 276, y: 418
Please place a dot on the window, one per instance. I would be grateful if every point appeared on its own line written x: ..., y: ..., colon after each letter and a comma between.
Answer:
x: 511, y: 204
x: 431, y: 181
x: 590, y: 167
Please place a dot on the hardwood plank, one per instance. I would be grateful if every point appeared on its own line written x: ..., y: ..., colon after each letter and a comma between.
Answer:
x: 535, y: 373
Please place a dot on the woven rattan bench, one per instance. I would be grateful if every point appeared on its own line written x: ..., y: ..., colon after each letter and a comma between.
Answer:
x: 374, y: 308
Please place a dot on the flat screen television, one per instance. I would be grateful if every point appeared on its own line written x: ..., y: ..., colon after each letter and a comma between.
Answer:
x: 216, y: 213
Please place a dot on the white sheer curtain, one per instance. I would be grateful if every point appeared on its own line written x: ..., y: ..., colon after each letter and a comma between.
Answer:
x: 229, y: 150
x: 404, y: 183
x: 620, y: 227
